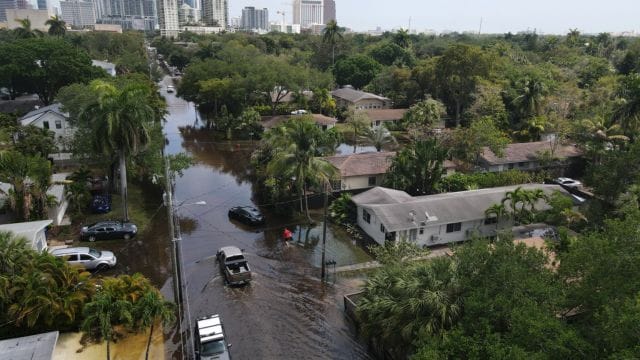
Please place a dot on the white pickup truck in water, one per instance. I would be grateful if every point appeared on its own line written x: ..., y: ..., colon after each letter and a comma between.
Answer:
x: 210, y: 341
x: 233, y: 265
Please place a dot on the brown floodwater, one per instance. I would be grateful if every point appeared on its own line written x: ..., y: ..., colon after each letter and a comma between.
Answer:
x: 286, y: 312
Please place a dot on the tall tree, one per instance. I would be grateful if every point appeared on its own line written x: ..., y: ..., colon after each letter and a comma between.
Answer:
x: 417, y: 168
x: 25, y: 31
x: 330, y: 35
x: 122, y: 117
x: 151, y: 308
x: 57, y: 26
x: 103, y: 312
x: 457, y: 72
x: 358, y: 121
x: 297, y: 144
x: 379, y: 137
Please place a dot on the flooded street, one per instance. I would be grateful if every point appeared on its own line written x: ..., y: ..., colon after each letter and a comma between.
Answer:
x: 286, y: 312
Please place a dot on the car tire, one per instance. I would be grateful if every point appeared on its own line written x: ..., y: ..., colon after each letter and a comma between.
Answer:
x: 127, y: 236
x: 92, y: 238
x: 102, y: 267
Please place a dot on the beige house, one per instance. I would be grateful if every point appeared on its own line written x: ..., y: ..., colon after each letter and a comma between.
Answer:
x: 381, y: 117
x: 322, y: 121
x: 349, y: 97
x: 528, y: 156
x: 360, y: 171
x: 33, y: 231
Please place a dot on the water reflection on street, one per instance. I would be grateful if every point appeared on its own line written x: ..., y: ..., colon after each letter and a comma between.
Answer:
x: 286, y: 312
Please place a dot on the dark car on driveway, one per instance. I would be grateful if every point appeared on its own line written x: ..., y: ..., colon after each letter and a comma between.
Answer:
x: 246, y: 214
x: 107, y: 230
x: 101, y: 204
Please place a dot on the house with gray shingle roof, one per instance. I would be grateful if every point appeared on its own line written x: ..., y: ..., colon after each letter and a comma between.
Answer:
x: 390, y: 215
x: 527, y: 156
x: 366, y: 170
x: 360, y: 100
x: 322, y: 121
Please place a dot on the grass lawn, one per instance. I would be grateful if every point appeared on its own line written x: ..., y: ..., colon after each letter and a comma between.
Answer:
x: 141, y: 208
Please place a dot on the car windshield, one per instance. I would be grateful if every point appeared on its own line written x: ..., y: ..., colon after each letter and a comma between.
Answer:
x: 95, y: 253
x: 213, y: 347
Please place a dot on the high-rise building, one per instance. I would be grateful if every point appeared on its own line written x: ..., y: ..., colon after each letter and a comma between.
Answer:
x: 329, y: 12
x: 308, y: 12
x: 215, y: 13
x: 12, y: 5
x: 43, y: 5
x: 168, y: 17
x: 78, y: 13
x: 187, y: 15
x: 254, y: 19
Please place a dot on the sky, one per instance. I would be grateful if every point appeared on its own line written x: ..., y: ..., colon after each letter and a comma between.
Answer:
x: 498, y: 16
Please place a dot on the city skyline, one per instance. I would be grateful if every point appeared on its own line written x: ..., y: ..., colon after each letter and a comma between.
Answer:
x: 498, y: 16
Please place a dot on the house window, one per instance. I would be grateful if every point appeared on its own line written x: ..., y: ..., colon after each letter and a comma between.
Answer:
x: 58, y: 124
x: 454, y: 227
x: 382, y: 229
x: 366, y: 216
x: 45, y: 125
x: 510, y: 166
x: 491, y: 220
x: 377, y: 122
x: 336, y: 184
x: 421, y: 231
x: 372, y: 181
x: 522, y: 164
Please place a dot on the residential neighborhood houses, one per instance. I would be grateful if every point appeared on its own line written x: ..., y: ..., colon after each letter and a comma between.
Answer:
x: 391, y: 215
x: 530, y: 156
x: 347, y: 97
x: 52, y: 118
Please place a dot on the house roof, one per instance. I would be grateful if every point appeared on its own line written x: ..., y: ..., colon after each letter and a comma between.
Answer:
x: 269, y: 122
x: 369, y: 163
x: 385, y: 114
x: 34, y: 115
x: 524, y: 152
x: 33, y: 347
x: 353, y: 95
x: 29, y: 229
x: 399, y: 211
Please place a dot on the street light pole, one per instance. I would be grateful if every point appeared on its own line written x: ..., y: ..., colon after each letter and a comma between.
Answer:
x: 324, y: 232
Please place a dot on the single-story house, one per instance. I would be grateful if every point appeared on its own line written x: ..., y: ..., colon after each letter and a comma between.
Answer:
x: 53, y: 119
x: 366, y: 170
x: 360, y: 171
x: 527, y: 156
x: 33, y: 231
x: 32, y: 347
x: 322, y: 121
x: 381, y: 117
x: 360, y: 100
x: 390, y: 215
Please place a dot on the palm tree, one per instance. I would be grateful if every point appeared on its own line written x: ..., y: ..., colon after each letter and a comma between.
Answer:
x: 40, y: 175
x: 627, y: 113
x: 531, y: 94
x: 417, y: 169
x: 498, y: 211
x: 151, y: 308
x: 57, y: 26
x: 14, y: 170
x: 25, y: 31
x: 103, y: 312
x: 331, y: 34
x: 296, y: 145
x: 401, y: 38
x: 379, y: 137
x: 358, y: 121
x: 519, y: 199
x: 14, y: 253
x: 121, y: 119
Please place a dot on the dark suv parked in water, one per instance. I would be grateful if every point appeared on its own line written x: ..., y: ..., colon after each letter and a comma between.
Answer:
x: 246, y: 214
x: 107, y: 230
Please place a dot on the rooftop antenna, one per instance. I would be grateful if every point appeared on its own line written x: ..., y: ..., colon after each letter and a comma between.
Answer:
x: 480, y: 29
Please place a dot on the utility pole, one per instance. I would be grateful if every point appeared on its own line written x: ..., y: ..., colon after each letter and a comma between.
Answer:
x: 324, y: 232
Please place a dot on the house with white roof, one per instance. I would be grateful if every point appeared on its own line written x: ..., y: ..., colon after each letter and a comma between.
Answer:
x: 110, y: 68
x: 51, y: 118
x: 390, y: 215
x: 33, y: 231
x: 360, y: 100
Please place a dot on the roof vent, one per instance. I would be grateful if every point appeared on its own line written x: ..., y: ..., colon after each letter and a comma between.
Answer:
x: 429, y: 217
x: 412, y: 216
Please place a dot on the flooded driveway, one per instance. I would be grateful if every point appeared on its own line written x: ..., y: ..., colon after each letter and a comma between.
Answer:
x: 286, y: 312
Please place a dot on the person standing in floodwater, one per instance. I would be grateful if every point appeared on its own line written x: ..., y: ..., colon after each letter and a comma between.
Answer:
x: 287, y: 234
